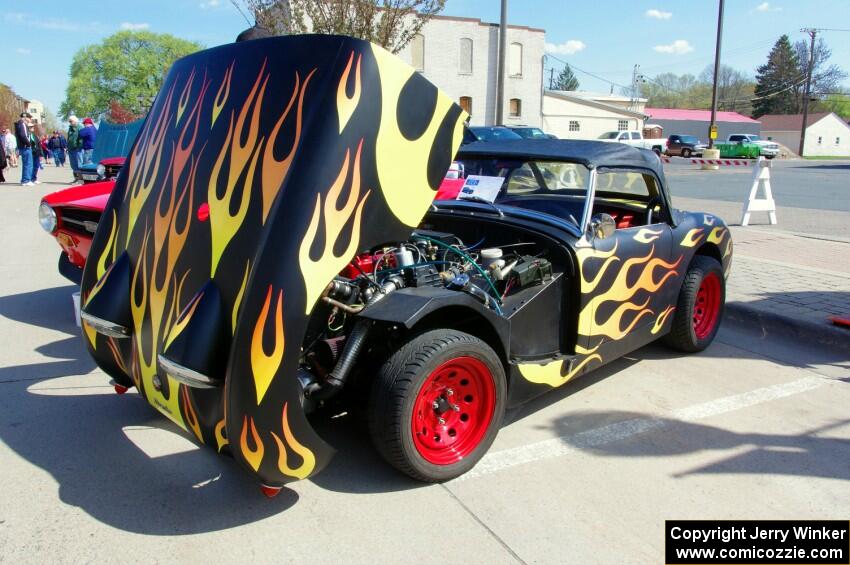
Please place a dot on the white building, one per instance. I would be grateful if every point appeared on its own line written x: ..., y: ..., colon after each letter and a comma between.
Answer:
x: 826, y: 133
x: 587, y: 115
x: 460, y: 56
x: 36, y: 110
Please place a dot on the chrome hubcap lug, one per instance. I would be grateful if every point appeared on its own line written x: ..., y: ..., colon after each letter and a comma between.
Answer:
x: 435, y: 405
x: 449, y: 392
x: 441, y: 421
x: 455, y: 407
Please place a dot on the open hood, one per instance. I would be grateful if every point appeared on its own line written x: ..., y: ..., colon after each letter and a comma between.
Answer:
x: 260, y: 171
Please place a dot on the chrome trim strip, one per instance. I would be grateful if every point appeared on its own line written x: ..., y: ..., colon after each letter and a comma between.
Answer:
x: 584, y: 241
x: 185, y: 375
x: 105, y: 327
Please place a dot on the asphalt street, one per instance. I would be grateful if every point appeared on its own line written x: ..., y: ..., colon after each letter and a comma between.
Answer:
x: 751, y: 428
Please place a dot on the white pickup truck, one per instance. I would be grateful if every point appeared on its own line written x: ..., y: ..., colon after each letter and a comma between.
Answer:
x: 636, y: 139
x: 767, y: 148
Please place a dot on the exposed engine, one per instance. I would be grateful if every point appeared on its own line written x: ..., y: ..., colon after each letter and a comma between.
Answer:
x: 428, y: 259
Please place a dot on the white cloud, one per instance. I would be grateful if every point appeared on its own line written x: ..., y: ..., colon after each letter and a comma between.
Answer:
x: 22, y: 51
x: 766, y: 7
x: 569, y: 47
x: 209, y: 4
x: 16, y: 17
x: 134, y: 27
x: 658, y: 14
x: 678, y: 47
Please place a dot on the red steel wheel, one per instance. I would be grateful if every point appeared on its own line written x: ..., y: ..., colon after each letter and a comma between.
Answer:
x: 437, y: 404
x: 707, y: 306
x: 453, y: 410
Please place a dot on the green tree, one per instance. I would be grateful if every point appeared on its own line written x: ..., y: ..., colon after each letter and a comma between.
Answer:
x: 838, y: 103
x: 566, y: 80
x: 127, y: 67
x: 776, y: 81
x: 388, y: 23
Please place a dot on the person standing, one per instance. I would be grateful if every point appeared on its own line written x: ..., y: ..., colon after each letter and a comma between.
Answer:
x: 88, y: 135
x: 75, y: 145
x: 22, y: 137
x: 3, y: 161
x: 45, y: 150
x: 11, y: 146
x: 56, y: 145
x: 37, y: 154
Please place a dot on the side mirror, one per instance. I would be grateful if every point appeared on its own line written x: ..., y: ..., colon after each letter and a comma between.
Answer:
x: 602, y: 226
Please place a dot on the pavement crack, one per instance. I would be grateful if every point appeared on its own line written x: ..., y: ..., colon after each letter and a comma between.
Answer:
x: 493, y: 534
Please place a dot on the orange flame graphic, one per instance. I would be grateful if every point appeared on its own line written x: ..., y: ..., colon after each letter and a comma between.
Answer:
x: 191, y: 416
x: 308, y: 459
x: 253, y: 456
x: 318, y: 273
x: 274, y: 172
x: 264, y: 367
x: 345, y: 105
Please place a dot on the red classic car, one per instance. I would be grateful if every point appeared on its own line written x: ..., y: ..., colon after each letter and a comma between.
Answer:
x: 71, y: 216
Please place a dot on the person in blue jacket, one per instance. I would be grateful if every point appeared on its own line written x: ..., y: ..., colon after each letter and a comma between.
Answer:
x: 57, y: 145
x: 88, y: 135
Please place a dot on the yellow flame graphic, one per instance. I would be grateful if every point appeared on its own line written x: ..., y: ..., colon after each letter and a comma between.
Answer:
x: 184, y: 98
x: 238, y: 302
x: 403, y: 163
x: 646, y: 235
x: 692, y: 238
x: 191, y: 416
x: 253, y: 456
x: 220, y: 440
x: 109, y: 247
x: 308, y: 459
x: 555, y: 373
x: 264, y: 367
x: 662, y: 317
x: 222, y: 94
x: 318, y: 273
x: 183, y: 320
x: 346, y: 105
x: 716, y: 236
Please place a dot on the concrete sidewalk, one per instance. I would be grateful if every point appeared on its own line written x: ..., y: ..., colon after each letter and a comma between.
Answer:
x: 790, y: 283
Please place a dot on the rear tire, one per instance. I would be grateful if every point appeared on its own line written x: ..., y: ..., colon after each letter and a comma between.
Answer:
x: 439, y: 376
x: 699, y: 309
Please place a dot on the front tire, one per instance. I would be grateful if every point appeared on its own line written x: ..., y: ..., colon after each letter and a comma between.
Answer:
x: 699, y: 309
x: 686, y: 153
x: 437, y: 405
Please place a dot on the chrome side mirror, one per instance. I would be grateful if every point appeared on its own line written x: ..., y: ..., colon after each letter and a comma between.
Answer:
x: 602, y: 226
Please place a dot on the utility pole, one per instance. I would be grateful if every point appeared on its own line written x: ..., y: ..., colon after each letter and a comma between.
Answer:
x: 551, y: 78
x: 812, y: 33
x: 712, y: 128
x: 637, y: 80
x: 500, y: 79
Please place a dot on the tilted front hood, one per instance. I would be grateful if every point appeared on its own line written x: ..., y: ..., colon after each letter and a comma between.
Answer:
x: 92, y: 196
x: 262, y: 168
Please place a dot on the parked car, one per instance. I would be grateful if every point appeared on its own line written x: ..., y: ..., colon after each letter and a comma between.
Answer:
x: 767, y: 148
x: 71, y: 216
x: 635, y: 139
x: 301, y: 278
x: 113, y: 143
x: 488, y: 133
x: 527, y: 132
x: 738, y: 149
x: 684, y: 146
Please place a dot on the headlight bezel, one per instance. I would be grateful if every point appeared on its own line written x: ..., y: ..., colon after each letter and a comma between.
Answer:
x: 47, y: 218
x: 101, y: 171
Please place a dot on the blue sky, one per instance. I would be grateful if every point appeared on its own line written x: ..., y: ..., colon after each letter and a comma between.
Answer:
x: 606, y: 38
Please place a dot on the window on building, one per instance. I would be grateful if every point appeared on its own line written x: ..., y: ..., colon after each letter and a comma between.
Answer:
x: 466, y: 103
x: 574, y: 125
x: 622, y: 125
x: 837, y: 140
x: 417, y: 52
x: 515, y: 107
x: 820, y: 140
x: 515, y: 60
x: 464, y: 65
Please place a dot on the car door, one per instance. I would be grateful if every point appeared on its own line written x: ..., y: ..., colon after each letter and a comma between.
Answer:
x: 674, y: 145
x: 629, y: 279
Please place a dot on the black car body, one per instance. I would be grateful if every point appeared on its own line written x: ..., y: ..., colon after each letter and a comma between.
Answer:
x: 684, y: 146
x: 272, y: 250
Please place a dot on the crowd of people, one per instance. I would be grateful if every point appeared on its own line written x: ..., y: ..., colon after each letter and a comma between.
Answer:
x: 23, y: 147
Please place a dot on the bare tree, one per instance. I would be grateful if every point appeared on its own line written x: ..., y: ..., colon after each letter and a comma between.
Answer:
x: 391, y: 24
x: 825, y: 78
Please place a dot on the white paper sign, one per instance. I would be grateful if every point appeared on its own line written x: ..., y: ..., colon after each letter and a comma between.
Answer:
x: 486, y: 188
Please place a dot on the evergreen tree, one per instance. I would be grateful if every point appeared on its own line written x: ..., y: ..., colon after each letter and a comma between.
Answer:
x: 776, y: 81
x: 566, y: 80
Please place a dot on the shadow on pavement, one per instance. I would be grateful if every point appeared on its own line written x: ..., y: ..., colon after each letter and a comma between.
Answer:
x: 808, y: 454
x: 837, y: 166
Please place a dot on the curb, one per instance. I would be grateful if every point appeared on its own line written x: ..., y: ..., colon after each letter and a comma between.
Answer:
x: 771, y: 324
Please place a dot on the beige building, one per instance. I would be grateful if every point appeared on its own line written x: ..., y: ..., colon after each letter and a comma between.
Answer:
x: 826, y: 133
x: 36, y: 110
x: 587, y: 115
x: 460, y: 56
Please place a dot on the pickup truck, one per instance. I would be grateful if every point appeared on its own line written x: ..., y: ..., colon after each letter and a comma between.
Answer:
x: 635, y: 139
x: 684, y: 145
x: 766, y: 148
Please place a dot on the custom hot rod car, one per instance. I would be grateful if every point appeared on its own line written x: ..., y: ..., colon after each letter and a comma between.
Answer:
x: 272, y: 249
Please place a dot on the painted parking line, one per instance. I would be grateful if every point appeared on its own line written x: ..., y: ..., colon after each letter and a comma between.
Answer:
x: 565, y: 445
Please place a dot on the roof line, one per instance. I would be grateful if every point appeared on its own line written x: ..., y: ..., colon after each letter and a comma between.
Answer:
x: 592, y: 103
x: 482, y: 23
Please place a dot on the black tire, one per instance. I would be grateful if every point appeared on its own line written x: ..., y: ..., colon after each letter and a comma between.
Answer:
x: 657, y: 150
x: 686, y: 153
x: 769, y: 156
x: 394, y: 395
x: 683, y: 335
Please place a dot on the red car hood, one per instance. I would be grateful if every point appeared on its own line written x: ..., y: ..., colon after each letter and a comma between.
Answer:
x: 119, y: 161
x: 91, y: 196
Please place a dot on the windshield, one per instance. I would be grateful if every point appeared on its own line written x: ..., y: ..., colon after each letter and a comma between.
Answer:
x: 557, y: 188
x: 609, y: 135
x: 690, y: 139
x: 493, y: 134
x: 754, y: 138
x: 530, y: 133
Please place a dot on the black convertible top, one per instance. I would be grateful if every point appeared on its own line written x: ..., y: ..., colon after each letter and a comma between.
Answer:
x: 591, y: 154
